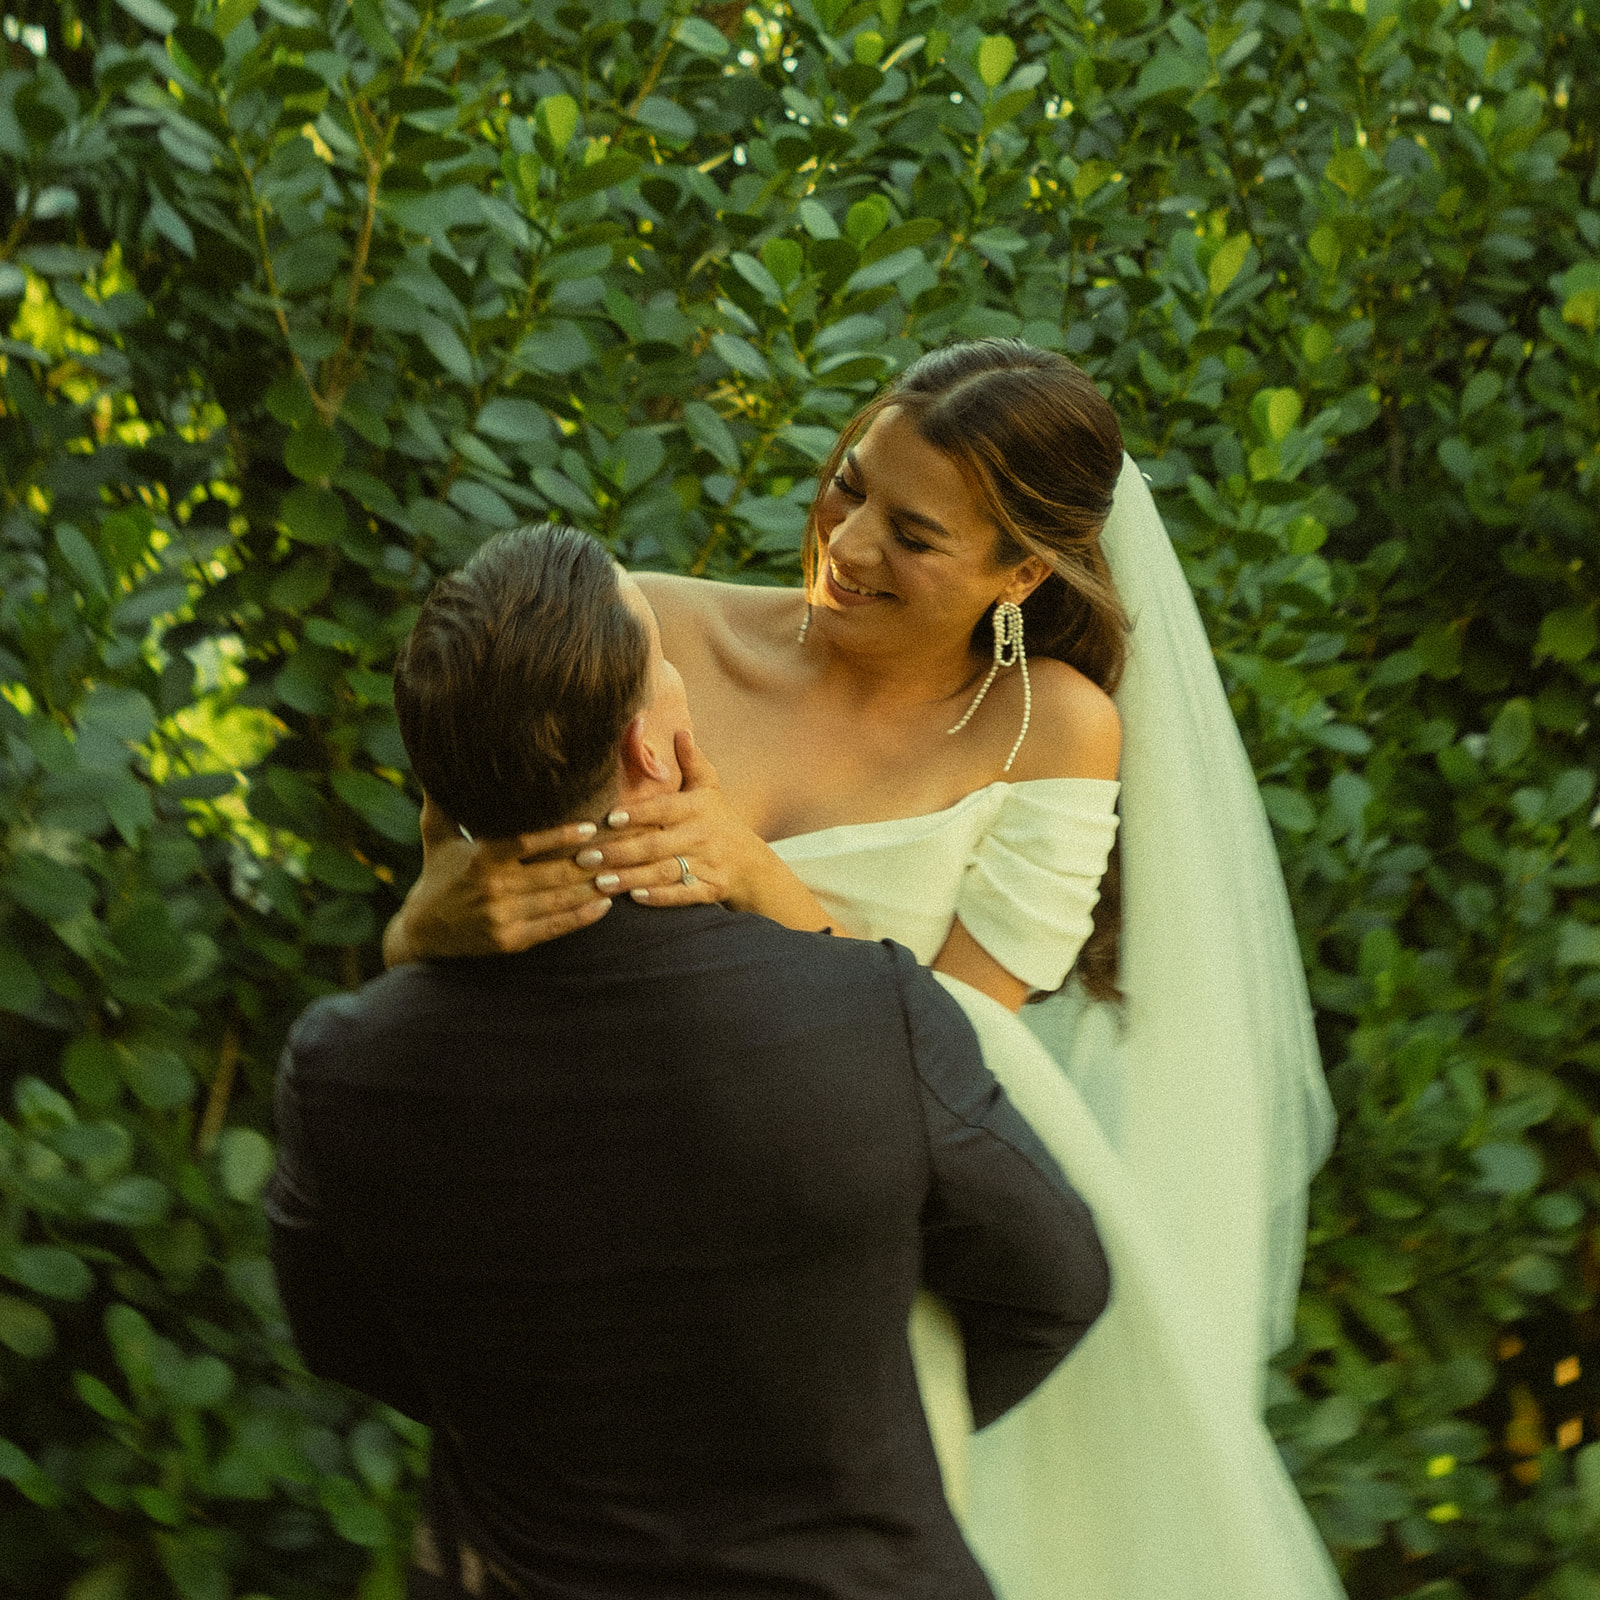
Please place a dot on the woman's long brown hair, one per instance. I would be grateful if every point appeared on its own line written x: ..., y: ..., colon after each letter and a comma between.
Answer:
x: 1042, y: 450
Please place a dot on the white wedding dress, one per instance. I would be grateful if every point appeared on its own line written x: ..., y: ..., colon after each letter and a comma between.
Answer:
x: 1190, y: 1122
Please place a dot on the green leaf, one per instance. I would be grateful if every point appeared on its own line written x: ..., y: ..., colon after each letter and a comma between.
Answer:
x: 1167, y: 71
x: 100, y: 1399
x: 557, y: 118
x: 368, y: 18
x: 817, y: 220
x: 695, y: 33
x: 20, y: 988
x: 313, y: 516
x: 132, y: 1202
x: 1578, y: 944
x: 557, y: 349
x: 615, y: 168
x: 25, y: 1328
x: 1569, y: 634
x: 784, y: 259
x: 51, y: 891
x: 1482, y: 389
x: 1511, y: 733
x: 314, y: 453
x: 889, y: 270
x: 741, y: 355
x: 160, y: 1078
x: 995, y: 56
x: 1282, y: 412
x: 17, y: 1468
x: 710, y: 432
x: 757, y: 276
x: 866, y: 219
x: 355, y: 1517
x: 1505, y: 1167
x: 572, y: 264
x: 48, y: 1270
x: 446, y: 347
x: 1579, y: 287
x: 391, y: 812
x: 1323, y: 246
x: 89, y: 1066
x: 83, y: 558
x: 151, y: 13
x: 1227, y: 262
x: 1288, y: 808
x: 666, y: 118
x: 166, y: 221
x: 1348, y: 170
x: 199, y: 1381
x: 344, y: 921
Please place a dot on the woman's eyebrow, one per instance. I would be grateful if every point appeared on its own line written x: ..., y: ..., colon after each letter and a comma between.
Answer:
x: 903, y: 513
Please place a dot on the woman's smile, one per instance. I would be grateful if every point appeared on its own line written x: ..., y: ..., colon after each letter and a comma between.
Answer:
x: 843, y: 591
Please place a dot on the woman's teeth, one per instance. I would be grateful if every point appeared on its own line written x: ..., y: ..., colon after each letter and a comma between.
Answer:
x: 852, y: 588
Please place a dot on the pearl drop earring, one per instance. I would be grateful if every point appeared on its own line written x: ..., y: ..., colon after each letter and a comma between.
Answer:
x: 1008, y: 652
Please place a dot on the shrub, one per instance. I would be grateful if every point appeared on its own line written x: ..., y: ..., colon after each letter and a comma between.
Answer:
x: 308, y: 298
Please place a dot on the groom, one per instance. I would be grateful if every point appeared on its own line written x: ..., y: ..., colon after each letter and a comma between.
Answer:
x: 634, y: 1219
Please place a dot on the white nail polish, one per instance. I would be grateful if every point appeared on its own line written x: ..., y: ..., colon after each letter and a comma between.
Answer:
x: 639, y: 894
x: 589, y: 858
x: 587, y: 830
x: 617, y: 819
x: 607, y: 881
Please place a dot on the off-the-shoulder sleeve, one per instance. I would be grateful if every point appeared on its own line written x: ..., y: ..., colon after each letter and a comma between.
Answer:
x: 1030, y: 889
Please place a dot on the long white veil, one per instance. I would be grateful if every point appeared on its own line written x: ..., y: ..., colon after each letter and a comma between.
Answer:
x: 1210, y: 1086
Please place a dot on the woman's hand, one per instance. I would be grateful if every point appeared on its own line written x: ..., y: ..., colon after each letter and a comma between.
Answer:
x: 486, y: 898
x: 727, y: 861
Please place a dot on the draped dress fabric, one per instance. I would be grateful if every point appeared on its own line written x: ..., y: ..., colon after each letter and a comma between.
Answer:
x: 1141, y: 1470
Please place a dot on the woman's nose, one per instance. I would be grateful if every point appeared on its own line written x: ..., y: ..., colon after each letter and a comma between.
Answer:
x: 856, y: 539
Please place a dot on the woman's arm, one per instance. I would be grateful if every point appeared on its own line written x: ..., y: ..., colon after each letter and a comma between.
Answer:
x: 729, y: 861
x: 961, y: 956
x: 1075, y: 733
x: 485, y: 898
x: 489, y: 897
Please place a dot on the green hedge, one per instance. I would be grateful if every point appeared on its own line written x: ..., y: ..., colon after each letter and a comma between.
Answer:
x: 305, y: 298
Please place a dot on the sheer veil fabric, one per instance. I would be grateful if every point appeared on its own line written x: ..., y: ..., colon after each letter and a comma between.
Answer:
x: 1211, y: 1086
x: 1142, y: 1470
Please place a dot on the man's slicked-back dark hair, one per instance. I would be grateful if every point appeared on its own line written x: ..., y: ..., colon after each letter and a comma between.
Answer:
x: 518, y: 679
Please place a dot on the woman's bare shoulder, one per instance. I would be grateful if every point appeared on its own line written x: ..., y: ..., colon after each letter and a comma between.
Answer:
x: 707, y: 605
x: 1075, y: 731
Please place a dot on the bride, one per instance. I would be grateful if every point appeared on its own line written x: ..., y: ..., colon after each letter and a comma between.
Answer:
x: 925, y: 745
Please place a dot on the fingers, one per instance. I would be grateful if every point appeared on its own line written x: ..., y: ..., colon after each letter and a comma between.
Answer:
x: 556, y: 924
x: 437, y: 827
x: 698, y: 773
x: 648, y: 847
x: 510, y: 879
x: 660, y: 811
x: 652, y: 879
x: 677, y: 893
x: 523, y: 845
x: 520, y: 923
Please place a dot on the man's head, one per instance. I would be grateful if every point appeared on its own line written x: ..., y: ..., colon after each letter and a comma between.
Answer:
x: 533, y: 688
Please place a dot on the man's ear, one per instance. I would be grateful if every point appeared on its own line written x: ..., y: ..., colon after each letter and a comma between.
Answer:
x: 640, y: 764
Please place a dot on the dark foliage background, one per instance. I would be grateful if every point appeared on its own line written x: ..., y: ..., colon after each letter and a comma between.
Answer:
x: 305, y: 297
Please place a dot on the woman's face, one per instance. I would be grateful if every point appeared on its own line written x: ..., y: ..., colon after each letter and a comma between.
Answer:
x: 905, y: 549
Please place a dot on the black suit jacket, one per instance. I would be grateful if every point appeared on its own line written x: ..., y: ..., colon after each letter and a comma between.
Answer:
x: 635, y: 1220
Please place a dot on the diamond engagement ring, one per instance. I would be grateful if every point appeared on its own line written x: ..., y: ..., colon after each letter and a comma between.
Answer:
x: 684, y: 874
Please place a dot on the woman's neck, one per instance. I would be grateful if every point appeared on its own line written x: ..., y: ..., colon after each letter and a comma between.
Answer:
x: 891, y: 682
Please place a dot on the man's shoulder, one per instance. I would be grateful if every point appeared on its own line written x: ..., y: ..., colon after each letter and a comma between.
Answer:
x: 342, y: 1019
x: 840, y: 966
